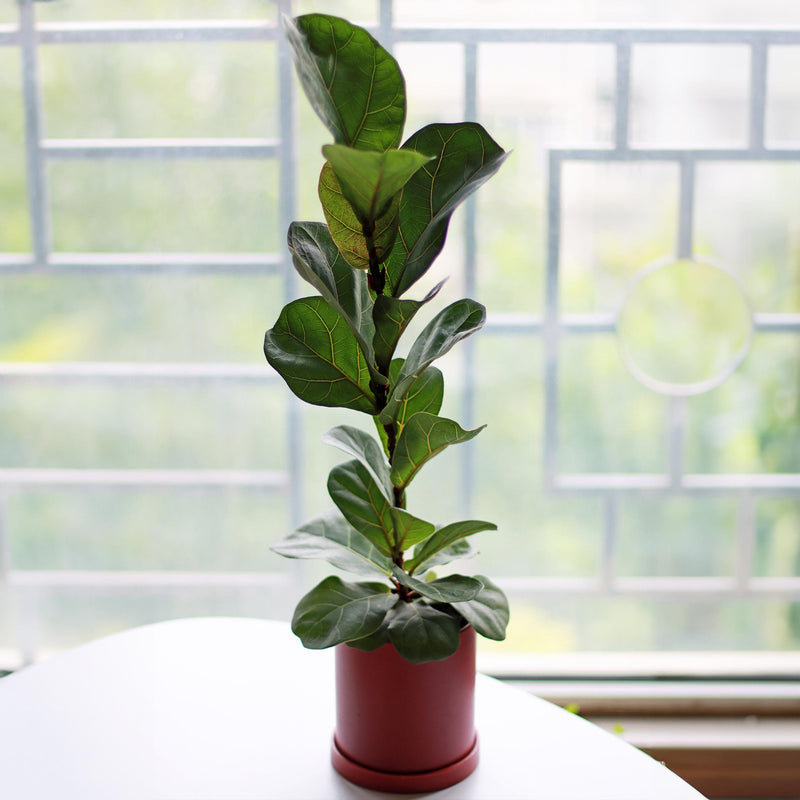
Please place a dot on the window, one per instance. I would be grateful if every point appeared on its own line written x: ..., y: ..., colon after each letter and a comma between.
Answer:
x: 648, y: 498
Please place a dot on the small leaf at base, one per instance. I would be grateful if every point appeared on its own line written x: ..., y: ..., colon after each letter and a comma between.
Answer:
x: 421, y: 633
x: 334, y: 612
x: 488, y: 612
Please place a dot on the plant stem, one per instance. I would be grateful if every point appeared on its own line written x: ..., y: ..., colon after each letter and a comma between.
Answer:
x: 377, y: 282
x: 377, y: 275
x: 403, y: 592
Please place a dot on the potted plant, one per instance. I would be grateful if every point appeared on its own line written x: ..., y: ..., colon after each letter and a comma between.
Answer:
x: 406, y: 638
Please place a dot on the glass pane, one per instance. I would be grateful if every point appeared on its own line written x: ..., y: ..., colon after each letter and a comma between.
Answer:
x: 777, y: 546
x: 566, y: 102
x: 608, y: 422
x: 84, y: 10
x: 750, y: 423
x: 15, y: 234
x: 118, y: 90
x: 746, y: 219
x: 124, y: 316
x: 616, y: 219
x: 677, y: 536
x: 185, y: 530
x: 69, y: 617
x: 689, y: 95
x: 603, y: 624
x: 184, y: 206
x: 783, y: 97
x: 430, y: 101
x: 685, y: 13
x: 141, y: 425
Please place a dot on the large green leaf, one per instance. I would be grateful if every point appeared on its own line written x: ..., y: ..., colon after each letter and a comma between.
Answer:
x: 445, y: 538
x: 453, y: 588
x: 465, y: 156
x: 353, y: 84
x: 318, y: 356
x: 424, y: 436
x: 463, y: 548
x: 390, y: 318
x: 330, y: 537
x: 446, y: 329
x: 374, y: 640
x: 488, y: 612
x: 362, y: 501
x: 422, y: 633
x: 408, y: 529
x: 424, y: 394
x: 370, y: 179
x: 318, y: 261
x: 334, y: 612
x: 347, y: 230
x: 356, y: 442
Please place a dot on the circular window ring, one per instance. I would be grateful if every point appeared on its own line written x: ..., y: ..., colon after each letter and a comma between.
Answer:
x: 719, y: 285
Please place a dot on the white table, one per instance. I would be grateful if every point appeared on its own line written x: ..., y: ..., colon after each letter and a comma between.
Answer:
x: 228, y: 709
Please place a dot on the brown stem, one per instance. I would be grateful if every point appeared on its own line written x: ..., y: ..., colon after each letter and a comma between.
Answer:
x: 377, y: 275
x: 403, y: 592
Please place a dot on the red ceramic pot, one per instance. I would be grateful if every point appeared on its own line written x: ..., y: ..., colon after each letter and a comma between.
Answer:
x: 403, y: 727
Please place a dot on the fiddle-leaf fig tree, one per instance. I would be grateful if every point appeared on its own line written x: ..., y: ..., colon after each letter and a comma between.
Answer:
x: 387, y: 207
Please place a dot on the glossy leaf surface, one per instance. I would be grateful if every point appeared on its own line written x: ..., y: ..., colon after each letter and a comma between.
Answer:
x: 318, y: 356
x: 318, y: 261
x: 373, y: 641
x: 451, y: 589
x: 423, y: 437
x: 353, y: 84
x: 330, y: 537
x: 445, y: 538
x: 390, y: 318
x: 444, y: 331
x: 346, y: 228
x: 370, y: 179
x: 356, y: 442
x: 334, y: 612
x: 362, y: 501
x: 424, y: 394
x: 422, y: 633
x: 488, y: 612
x: 408, y: 529
x: 460, y: 549
x: 465, y: 156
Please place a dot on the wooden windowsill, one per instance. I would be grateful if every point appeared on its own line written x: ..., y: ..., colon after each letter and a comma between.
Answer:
x: 729, y: 757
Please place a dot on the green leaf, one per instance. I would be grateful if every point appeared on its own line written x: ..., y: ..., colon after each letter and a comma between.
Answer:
x: 488, y: 612
x: 452, y: 589
x: 390, y: 318
x: 330, y: 537
x: 356, y: 442
x: 422, y: 633
x: 424, y: 394
x: 362, y: 501
x: 334, y: 612
x: 465, y: 157
x: 318, y: 356
x: 370, y: 179
x: 345, y: 227
x: 461, y: 549
x: 408, y: 529
x: 373, y: 641
x: 318, y: 261
x: 444, y: 539
x: 353, y: 84
x: 424, y: 436
x: 446, y: 329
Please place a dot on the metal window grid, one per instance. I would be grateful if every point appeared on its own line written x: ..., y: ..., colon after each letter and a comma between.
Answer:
x: 551, y: 327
